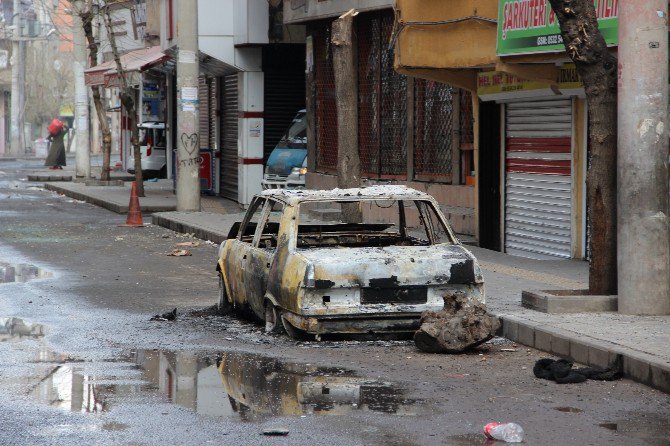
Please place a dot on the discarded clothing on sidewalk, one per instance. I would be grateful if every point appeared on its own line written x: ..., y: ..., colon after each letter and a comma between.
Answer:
x: 169, y: 316
x: 562, y: 372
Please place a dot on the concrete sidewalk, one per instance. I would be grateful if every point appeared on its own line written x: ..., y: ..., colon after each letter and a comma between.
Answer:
x: 588, y: 338
x: 158, y: 195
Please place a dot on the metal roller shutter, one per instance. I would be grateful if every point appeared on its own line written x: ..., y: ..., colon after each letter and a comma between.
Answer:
x: 538, y: 179
x: 229, y: 118
x: 203, y: 117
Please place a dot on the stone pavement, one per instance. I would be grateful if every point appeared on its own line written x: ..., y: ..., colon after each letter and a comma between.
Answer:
x: 588, y: 338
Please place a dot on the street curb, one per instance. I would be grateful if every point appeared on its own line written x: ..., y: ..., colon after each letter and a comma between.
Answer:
x: 638, y: 366
x: 109, y: 205
x: 36, y: 178
x: 187, y: 228
x: 87, y: 198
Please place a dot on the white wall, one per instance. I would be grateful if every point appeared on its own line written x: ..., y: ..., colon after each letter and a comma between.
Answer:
x: 251, y: 22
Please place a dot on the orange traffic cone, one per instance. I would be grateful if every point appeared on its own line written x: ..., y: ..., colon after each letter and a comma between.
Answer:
x: 134, y: 219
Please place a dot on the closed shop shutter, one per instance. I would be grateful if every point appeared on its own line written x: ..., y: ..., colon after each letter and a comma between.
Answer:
x: 203, y: 117
x: 213, y: 111
x: 538, y: 189
x: 229, y: 118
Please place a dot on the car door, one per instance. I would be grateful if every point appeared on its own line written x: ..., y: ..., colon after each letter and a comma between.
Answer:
x: 238, y: 253
x: 260, y: 256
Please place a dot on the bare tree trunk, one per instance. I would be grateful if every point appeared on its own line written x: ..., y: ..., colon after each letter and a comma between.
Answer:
x: 597, y: 70
x: 87, y: 21
x: 128, y: 101
x: 344, y: 66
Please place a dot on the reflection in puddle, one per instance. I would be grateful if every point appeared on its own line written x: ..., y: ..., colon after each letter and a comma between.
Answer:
x: 244, y: 387
x: 21, y: 272
x: 653, y: 429
x: 259, y: 387
x: 13, y: 327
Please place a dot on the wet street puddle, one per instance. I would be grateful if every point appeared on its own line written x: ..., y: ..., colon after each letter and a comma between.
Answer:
x: 649, y: 427
x: 12, y: 328
x: 240, y: 386
x: 22, y: 272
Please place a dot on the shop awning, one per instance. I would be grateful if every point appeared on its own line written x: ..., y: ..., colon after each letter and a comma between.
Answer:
x: 106, y: 74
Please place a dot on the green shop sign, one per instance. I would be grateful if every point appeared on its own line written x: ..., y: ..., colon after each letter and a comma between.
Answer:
x: 530, y: 26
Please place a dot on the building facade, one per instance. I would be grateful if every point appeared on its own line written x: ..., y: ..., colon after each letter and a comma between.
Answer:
x: 530, y: 132
x: 412, y: 131
x: 251, y: 85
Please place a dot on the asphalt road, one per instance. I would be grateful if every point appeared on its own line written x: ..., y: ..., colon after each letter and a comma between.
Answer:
x: 81, y: 363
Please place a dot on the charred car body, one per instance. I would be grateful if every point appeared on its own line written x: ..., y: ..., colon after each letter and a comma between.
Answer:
x: 297, y: 264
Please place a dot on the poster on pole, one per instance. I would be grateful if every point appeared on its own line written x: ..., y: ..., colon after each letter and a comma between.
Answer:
x: 531, y: 27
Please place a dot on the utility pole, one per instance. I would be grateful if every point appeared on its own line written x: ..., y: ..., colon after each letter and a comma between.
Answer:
x: 81, y: 115
x: 643, y: 222
x: 17, y: 146
x: 188, y: 139
x: 344, y: 67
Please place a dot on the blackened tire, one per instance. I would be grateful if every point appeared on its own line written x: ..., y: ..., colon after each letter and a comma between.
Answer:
x: 273, y: 321
x: 295, y: 333
x: 223, y: 306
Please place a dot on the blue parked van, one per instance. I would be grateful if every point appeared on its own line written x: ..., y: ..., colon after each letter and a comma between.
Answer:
x: 287, y: 165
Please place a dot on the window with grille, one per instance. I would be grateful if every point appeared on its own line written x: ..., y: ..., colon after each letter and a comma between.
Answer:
x: 382, y: 103
x: 433, y: 130
x: 326, y: 109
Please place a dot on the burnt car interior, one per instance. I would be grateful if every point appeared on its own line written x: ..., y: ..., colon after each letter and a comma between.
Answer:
x: 385, y: 224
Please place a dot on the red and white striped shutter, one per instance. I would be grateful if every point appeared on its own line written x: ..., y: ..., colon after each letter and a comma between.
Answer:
x: 538, y: 180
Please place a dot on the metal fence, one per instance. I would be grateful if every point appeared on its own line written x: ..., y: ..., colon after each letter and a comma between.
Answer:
x: 326, y: 110
x: 433, y: 130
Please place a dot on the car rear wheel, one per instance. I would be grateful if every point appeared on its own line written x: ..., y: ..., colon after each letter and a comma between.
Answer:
x: 295, y: 333
x: 273, y: 322
x: 223, y: 306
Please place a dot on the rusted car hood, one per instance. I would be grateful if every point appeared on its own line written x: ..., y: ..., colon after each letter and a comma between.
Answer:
x: 392, y: 266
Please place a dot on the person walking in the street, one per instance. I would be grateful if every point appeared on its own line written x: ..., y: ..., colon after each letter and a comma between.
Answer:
x: 56, y: 157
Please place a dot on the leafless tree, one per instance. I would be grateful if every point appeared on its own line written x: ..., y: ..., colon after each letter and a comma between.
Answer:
x: 87, y: 19
x: 597, y: 68
x: 127, y: 96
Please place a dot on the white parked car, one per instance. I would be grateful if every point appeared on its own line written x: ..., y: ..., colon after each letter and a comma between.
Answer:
x: 153, y: 145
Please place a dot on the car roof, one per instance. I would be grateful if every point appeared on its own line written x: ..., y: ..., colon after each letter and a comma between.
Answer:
x: 377, y: 192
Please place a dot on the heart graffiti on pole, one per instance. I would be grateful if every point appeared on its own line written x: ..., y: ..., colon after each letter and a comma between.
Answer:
x: 190, y: 142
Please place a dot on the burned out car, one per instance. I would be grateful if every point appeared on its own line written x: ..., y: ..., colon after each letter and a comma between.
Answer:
x: 366, y: 260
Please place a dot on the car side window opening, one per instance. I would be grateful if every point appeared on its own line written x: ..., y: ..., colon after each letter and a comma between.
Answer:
x: 251, y: 219
x: 386, y: 222
x: 434, y: 229
x: 268, y: 235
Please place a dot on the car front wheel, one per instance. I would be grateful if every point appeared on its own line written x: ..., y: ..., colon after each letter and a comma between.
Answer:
x: 223, y: 306
x: 273, y: 323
